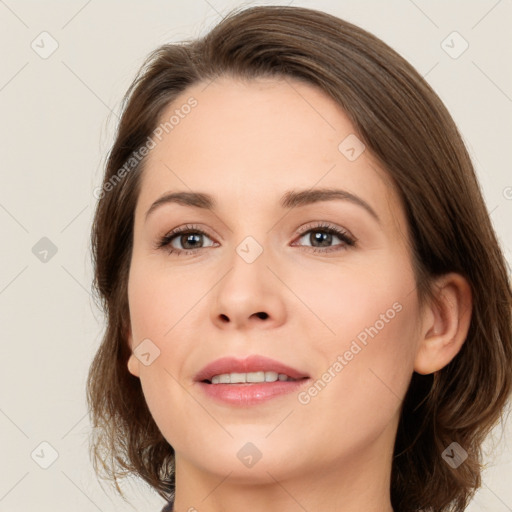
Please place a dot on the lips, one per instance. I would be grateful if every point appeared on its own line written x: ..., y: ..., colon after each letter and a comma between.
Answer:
x: 251, y: 364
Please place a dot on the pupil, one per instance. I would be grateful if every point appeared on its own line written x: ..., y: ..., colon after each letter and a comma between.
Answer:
x: 185, y: 239
x: 322, y: 237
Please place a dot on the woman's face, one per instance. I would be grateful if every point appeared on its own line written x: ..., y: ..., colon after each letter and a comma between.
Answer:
x: 325, y: 287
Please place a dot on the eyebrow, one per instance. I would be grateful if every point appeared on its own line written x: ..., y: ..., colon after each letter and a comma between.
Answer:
x: 291, y: 199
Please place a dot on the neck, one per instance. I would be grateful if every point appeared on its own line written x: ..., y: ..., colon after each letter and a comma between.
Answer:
x: 364, y: 485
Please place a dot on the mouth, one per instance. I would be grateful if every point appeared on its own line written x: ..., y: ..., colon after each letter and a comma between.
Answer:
x: 250, y: 381
x: 249, y: 378
x: 254, y: 369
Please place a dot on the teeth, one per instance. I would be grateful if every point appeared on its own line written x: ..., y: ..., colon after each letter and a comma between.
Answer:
x: 236, y: 378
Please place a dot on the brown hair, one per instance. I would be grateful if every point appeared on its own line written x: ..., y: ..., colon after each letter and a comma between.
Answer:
x: 409, y: 131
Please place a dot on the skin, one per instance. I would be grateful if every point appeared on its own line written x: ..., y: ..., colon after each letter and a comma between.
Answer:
x: 247, y: 143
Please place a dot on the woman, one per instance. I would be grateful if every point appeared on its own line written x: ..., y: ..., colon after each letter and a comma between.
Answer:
x: 307, y: 307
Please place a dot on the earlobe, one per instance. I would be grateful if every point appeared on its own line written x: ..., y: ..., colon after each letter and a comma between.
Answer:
x: 445, y: 324
x: 133, y: 362
x: 133, y: 365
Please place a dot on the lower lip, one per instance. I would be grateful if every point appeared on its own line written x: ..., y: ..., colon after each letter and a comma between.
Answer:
x: 250, y: 394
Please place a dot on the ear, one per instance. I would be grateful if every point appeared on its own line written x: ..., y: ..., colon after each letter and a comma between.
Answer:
x: 133, y: 362
x: 445, y: 324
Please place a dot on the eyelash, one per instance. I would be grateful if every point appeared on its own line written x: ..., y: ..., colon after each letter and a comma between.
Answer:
x: 344, y: 236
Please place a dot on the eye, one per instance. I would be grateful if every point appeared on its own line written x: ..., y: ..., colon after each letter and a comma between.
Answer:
x: 189, y: 237
x: 321, y: 236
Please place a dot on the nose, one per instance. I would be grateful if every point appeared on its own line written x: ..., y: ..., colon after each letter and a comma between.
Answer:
x: 248, y: 296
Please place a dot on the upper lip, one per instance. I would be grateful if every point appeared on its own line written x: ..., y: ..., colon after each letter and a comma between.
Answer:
x: 253, y: 363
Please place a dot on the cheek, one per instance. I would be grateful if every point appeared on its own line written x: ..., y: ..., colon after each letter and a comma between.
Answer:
x: 349, y: 297
x: 359, y: 394
x: 161, y: 306
x: 367, y: 357
x: 160, y: 299
x: 367, y: 364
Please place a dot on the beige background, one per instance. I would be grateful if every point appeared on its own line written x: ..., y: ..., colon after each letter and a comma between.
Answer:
x: 57, y: 119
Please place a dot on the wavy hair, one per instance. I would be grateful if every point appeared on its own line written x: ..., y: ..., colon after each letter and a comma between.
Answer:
x: 406, y: 127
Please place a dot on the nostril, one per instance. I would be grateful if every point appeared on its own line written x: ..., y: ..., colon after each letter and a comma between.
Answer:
x: 262, y: 315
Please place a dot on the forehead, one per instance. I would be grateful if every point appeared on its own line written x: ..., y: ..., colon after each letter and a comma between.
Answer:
x: 247, y: 142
